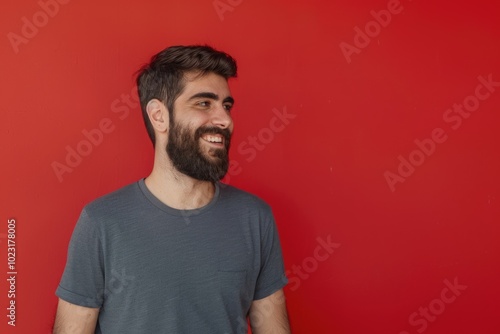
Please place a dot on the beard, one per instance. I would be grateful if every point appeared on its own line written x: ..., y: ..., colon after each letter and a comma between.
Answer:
x: 185, y: 152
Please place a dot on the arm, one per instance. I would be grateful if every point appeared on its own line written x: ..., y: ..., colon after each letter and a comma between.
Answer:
x: 74, y: 319
x: 268, y: 315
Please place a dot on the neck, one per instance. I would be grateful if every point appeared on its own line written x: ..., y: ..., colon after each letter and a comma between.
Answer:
x: 178, y: 190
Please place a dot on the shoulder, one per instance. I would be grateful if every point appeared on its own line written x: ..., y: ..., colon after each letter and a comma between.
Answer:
x: 120, y: 200
x: 235, y: 196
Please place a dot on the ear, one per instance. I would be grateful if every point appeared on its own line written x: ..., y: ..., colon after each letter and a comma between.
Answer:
x: 158, y: 115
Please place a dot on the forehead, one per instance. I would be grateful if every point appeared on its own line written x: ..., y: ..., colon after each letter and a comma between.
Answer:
x: 212, y: 83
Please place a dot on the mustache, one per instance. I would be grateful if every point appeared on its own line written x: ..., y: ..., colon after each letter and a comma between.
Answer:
x: 213, y: 130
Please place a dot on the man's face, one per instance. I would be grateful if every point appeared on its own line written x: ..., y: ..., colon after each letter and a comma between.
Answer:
x: 201, y: 127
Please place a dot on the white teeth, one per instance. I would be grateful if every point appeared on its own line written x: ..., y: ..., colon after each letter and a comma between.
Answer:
x: 213, y: 139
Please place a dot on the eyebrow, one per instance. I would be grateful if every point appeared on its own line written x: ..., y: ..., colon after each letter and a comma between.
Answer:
x: 211, y: 96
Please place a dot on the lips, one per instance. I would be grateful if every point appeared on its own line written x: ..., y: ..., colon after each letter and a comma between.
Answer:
x: 217, y: 139
x: 214, y: 135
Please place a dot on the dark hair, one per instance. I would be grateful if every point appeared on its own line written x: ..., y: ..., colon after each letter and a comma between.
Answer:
x: 163, y: 78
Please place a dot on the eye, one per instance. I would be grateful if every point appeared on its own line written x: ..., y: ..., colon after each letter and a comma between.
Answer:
x: 228, y: 106
x: 204, y: 103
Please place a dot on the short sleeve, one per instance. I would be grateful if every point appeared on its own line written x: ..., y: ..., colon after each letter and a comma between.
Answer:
x: 272, y: 272
x: 82, y: 282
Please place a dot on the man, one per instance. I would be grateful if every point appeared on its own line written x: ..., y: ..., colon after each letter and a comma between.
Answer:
x: 177, y: 252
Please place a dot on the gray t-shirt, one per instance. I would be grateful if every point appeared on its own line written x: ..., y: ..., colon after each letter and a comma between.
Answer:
x: 154, y: 269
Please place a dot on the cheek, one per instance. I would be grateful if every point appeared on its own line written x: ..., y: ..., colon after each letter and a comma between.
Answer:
x: 199, y: 119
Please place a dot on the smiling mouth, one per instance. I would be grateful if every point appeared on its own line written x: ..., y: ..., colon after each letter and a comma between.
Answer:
x: 214, y: 139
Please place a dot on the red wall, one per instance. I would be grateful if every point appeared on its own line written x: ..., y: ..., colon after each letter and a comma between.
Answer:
x: 353, y: 129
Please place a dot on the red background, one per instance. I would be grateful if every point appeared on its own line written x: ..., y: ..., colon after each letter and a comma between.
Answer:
x: 323, y: 173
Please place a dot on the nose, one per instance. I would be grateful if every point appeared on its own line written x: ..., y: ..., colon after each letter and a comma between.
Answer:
x: 222, y: 118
